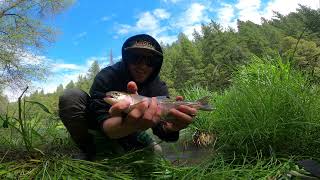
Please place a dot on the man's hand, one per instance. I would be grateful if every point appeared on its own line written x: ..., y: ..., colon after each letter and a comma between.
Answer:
x: 183, y: 116
x: 145, y: 115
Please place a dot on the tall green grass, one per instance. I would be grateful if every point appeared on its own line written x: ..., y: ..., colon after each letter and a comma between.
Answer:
x: 134, y: 165
x: 270, y: 109
x: 141, y: 165
x: 203, y: 120
x: 219, y: 167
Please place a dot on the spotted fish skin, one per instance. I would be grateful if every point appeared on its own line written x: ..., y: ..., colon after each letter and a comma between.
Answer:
x: 164, y: 103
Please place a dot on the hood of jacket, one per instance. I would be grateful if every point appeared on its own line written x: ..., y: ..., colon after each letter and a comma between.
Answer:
x: 143, y: 43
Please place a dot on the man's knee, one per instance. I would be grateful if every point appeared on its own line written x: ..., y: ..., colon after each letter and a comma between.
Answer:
x: 73, y: 96
x: 71, y: 102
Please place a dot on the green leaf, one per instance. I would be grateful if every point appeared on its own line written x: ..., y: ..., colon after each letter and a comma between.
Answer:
x: 34, y: 132
x: 5, y: 124
x: 43, y: 107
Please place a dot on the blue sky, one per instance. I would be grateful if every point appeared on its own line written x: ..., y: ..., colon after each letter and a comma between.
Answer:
x: 90, y: 29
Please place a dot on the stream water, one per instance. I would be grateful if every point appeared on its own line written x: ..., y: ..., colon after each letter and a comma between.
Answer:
x: 188, y: 154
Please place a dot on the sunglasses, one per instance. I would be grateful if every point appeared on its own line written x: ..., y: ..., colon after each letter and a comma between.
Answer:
x: 135, y: 59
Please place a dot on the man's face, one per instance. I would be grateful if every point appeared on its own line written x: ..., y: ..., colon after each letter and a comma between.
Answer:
x: 140, y: 67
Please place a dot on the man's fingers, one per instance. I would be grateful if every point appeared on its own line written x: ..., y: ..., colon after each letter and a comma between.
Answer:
x: 179, y: 98
x: 139, y: 110
x: 180, y: 116
x: 135, y: 114
x: 118, y: 108
x: 187, y: 110
x: 132, y: 87
x: 151, y: 112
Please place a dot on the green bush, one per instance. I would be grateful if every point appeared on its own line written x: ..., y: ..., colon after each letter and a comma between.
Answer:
x: 270, y: 109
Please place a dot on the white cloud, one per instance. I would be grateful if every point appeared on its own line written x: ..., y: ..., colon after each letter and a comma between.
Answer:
x: 286, y: 6
x: 189, y: 30
x: 195, y: 13
x: 157, y: 23
x: 191, y: 20
x: 161, y: 13
x: 249, y: 10
x: 124, y: 29
x: 253, y: 10
x: 102, y: 61
x: 226, y: 16
x: 147, y: 22
x: 64, y: 67
x: 105, y: 18
x: 245, y: 4
x: 62, y: 73
x: 81, y: 35
x: 166, y: 39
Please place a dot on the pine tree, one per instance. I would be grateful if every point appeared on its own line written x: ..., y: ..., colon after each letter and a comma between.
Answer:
x: 70, y: 85
x: 93, y: 70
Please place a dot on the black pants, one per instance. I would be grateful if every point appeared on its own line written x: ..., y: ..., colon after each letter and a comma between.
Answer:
x: 73, y: 113
x: 76, y: 118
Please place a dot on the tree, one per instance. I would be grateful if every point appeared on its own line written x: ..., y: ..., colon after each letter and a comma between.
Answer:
x: 221, y: 52
x: 59, y: 89
x: 301, y: 24
x: 3, y: 102
x: 70, y: 85
x: 93, y: 70
x: 22, y: 31
x: 83, y: 83
x: 306, y: 57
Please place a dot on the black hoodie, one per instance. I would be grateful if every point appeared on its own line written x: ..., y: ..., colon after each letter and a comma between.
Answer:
x: 116, y: 78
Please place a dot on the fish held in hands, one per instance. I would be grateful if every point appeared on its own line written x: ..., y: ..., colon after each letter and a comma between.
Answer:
x: 164, y: 103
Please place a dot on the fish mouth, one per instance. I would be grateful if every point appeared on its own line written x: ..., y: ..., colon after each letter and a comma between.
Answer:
x: 109, y: 96
x: 110, y: 100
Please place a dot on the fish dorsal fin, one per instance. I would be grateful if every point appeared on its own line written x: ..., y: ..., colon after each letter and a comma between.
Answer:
x: 204, y: 103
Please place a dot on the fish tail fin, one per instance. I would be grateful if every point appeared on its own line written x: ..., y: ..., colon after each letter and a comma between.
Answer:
x: 204, y: 104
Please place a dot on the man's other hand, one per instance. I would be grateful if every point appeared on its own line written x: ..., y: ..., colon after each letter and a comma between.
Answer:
x: 182, y: 117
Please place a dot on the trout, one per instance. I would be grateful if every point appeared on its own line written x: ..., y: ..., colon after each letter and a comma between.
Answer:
x: 164, y: 103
